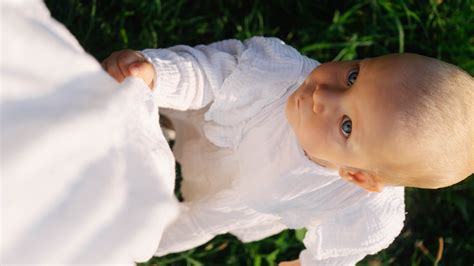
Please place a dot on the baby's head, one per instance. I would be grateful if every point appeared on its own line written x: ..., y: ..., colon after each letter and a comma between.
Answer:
x: 400, y: 119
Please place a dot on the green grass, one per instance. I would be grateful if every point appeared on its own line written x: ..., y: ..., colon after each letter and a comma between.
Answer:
x: 325, y: 30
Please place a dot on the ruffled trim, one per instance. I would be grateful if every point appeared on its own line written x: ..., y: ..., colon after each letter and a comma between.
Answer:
x: 366, y: 227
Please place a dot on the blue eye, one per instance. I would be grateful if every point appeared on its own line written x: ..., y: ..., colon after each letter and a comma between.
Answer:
x: 346, y: 126
x: 351, y: 78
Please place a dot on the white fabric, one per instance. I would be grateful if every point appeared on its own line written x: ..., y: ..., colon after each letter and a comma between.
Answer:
x: 86, y: 174
x: 243, y: 169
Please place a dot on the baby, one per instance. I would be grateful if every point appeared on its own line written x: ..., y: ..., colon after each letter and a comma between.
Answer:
x: 268, y: 138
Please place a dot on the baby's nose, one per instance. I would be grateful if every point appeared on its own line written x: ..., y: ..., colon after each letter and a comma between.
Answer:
x: 318, y: 106
x: 325, y: 98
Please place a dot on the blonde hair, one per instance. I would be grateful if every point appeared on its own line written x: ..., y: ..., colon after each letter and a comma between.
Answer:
x: 438, y: 116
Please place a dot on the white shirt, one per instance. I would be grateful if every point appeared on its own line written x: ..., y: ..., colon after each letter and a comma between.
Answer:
x: 243, y: 170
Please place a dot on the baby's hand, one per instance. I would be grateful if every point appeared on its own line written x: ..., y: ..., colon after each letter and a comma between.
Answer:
x: 125, y: 63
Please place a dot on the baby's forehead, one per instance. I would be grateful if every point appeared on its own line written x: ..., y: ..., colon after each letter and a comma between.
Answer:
x: 404, y: 64
x: 388, y: 78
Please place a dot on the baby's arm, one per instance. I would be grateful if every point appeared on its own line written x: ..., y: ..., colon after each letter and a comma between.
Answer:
x: 182, y: 77
x: 231, y: 74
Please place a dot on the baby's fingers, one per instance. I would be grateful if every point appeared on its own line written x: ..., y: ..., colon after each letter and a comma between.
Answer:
x: 111, y: 66
x: 143, y: 70
x: 126, y: 58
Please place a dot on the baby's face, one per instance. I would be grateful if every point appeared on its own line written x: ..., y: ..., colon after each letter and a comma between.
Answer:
x: 345, y: 113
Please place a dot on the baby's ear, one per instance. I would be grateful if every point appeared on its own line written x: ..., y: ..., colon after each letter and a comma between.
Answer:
x: 361, y: 178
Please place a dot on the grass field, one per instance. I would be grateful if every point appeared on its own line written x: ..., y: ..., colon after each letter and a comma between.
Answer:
x: 325, y: 30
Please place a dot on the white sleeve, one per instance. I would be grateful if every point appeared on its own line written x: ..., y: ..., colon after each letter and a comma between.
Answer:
x: 187, y: 77
x: 357, y: 231
x: 198, y: 222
